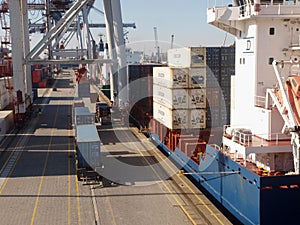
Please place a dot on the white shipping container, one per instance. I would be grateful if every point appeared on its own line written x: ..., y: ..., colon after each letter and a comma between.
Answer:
x: 4, y: 99
x: 5, y: 84
x: 197, y: 98
x: 173, y: 119
x: 171, y: 98
x: 171, y: 77
x: 197, y: 118
x: 6, y: 122
x: 197, y: 77
x: 187, y: 57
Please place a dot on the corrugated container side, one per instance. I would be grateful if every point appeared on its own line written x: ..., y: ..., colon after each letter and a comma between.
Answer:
x: 173, y: 119
x: 141, y: 83
x: 140, y: 89
x: 171, y: 77
x: 83, y: 89
x: 88, y: 145
x: 197, y: 77
x: 187, y: 57
x: 171, y: 98
x: 213, y: 96
x: 197, y: 98
x: 36, y: 75
x: 42, y: 84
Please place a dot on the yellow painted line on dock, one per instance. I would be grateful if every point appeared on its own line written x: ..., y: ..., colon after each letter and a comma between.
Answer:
x: 78, y: 201
x: 16, y: 161
x: 40, y: 188
x: 69, y: 171
x: 44, y: 171
x: 12, y: 169
x: 164, y: 183
x: 110, y: 207
x: 192, y: 191
x: 77, y: 196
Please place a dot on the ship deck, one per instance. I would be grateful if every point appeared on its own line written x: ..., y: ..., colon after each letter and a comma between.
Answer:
x: 38, y: 183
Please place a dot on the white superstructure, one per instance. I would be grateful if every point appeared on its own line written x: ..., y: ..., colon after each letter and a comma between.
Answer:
x: 265, y: 31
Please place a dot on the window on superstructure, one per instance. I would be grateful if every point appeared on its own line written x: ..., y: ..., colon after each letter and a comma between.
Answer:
x: 271, y: 59
x: 272, y: 31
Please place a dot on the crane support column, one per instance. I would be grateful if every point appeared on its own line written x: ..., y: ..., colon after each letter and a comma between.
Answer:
x: 115, y: 30
x: 121, y: 55
x: 86, y: 28
x: 17, y: 20
x: 111, y: 45
x: 28, y: 77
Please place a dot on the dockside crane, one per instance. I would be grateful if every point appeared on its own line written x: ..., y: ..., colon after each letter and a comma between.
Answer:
x: 172, y: 40
x: 158, y: 60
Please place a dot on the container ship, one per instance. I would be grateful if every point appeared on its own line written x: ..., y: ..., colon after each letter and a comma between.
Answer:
x: 251, y: 167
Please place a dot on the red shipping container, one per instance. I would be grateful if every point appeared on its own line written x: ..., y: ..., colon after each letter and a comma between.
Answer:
x: 43, y: 84
x: 36, y: 76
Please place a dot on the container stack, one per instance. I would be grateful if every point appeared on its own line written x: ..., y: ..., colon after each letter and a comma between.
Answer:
x: 140, y: 80
x: 220, y: 67
x: 39, y: 75
x: 6, y: 122
x: 6, y: 92
x: 179, y: 95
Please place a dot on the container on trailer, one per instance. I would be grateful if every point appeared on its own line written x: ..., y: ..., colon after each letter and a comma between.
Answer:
x: 88, y: 147
x: 82, y: 115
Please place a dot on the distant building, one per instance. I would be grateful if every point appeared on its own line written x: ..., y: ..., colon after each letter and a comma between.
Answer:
x: 134, y: 57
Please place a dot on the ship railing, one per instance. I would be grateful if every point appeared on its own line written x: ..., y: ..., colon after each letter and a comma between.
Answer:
x: 215, y: 146
x: 242, y: 138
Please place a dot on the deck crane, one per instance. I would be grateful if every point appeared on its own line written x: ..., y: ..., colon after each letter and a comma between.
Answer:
x: 286, y: 98
x: 156, y: 45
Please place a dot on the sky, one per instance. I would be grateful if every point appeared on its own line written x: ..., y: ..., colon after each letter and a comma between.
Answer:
x: 185, y: 19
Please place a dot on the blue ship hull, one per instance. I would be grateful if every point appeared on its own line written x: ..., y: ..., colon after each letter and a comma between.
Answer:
x: 248, y: 197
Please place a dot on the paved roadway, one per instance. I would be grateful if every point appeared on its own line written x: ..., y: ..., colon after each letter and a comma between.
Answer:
x: 38, y: 183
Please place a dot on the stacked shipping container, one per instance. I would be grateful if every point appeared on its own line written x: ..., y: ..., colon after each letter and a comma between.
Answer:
x: 6, y: 92
x: 140, y: 91
x: 179, y: 90
x: 39, y: 75
x: 192, y: 94
x: 220, y: 67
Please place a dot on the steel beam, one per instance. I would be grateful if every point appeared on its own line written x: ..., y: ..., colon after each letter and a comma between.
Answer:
x: 61, y: 26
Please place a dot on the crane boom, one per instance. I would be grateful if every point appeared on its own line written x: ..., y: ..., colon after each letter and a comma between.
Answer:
x: 290, y: 109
